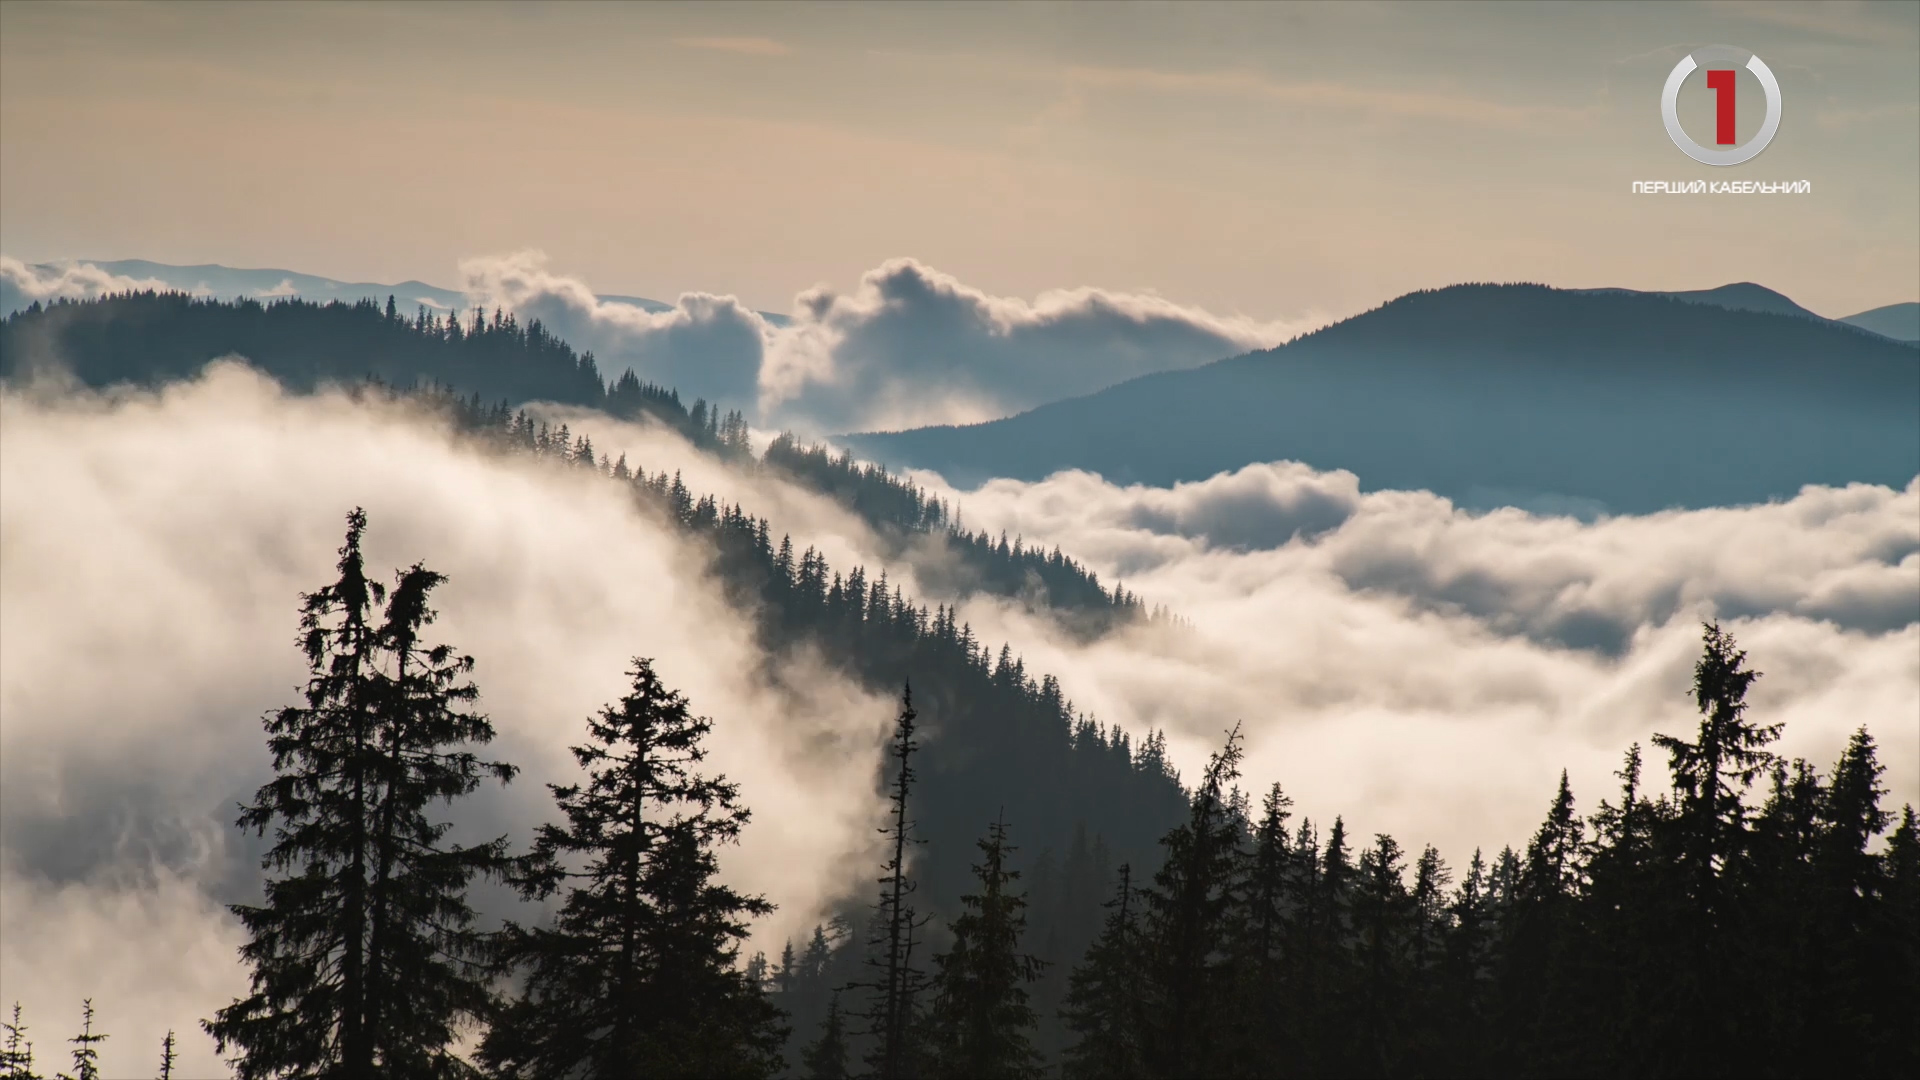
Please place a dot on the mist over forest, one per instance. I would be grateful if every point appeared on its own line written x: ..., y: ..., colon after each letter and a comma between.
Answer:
x: 1078, y: 652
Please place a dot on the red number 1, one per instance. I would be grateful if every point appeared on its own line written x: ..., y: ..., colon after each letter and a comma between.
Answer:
x: 1722, y: 84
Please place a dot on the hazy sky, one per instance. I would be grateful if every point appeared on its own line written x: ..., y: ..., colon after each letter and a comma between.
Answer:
x: 1264, y: 160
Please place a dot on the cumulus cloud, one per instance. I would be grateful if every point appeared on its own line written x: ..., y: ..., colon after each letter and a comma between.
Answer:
x: 22, y: 283
x: 907, y: 346
x: 704, y: 345
x: 154, y: 548
x: 1427, y: 671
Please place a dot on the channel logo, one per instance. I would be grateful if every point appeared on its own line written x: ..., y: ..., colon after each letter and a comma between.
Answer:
x: 1722, y: 63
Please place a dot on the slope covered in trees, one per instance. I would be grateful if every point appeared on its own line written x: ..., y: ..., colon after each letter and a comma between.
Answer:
x: 480, y: 368
x: 1755, y: 917
x: 1494, y: 394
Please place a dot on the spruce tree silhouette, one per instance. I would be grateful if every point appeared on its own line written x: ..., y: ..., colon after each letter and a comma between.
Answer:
x: 16, y: 1055
x: 86, y: 1058
x: 892, y: 1014
x: 1104, y: 1008
x: 1190, y: 911
x: 982, y: 1022
x: 364, y: 956
x: 637, y: 974
x: 826, y: 1057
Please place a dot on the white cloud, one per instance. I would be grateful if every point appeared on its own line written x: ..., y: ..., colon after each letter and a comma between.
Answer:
x: 704, y: 346
x: 908, y: 346
x: 1417, y: 668
x: 155, y: 546
x: 22, y: 283
x: 1427, y: 671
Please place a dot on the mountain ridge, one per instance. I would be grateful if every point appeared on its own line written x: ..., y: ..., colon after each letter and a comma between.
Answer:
x: 1493, y: 394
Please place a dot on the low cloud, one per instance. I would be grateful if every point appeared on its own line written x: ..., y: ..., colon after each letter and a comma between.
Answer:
x: 1428, y: 671
x: 23, y: 283
x: 1419, y: 668
x: 907, y: 346
x: 704, y: 346
x: 151, y: 574
x: 912, y: 346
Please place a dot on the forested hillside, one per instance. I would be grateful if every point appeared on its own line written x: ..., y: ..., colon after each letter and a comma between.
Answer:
x: 1746, y: 915
x: 1055, y: 898
x: 494, y: 364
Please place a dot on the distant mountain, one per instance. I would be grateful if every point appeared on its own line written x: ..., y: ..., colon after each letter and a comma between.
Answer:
x: 226, y: 282
x: 1900, y: 322
x: 1740, y: 296
x: 1495, y: 395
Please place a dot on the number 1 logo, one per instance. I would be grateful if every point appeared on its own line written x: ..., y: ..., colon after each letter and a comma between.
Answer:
x: 1724, y: 83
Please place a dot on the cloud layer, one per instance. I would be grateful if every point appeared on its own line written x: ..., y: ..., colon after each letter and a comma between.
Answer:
x: 907, y: 346
x: 154, y: 549
x: 1427, y: 671
x: 22, y: 283
x: 1422, y: 670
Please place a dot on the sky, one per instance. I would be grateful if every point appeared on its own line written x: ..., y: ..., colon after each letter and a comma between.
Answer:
x: 1260, y: 161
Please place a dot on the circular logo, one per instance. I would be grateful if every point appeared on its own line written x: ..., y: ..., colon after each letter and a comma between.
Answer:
x: 1721, y: 81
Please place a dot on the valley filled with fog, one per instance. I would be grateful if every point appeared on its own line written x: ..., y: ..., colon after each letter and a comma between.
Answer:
x: 1420, y: 669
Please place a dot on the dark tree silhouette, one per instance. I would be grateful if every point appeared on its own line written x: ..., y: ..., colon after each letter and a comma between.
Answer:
x: 86, y: 1058
x: 891, y: 1016
x: 982, y: 1023
x: 638, y: 970
x: 826, y: 1057
x: 1191, y: 911
x: 16, y: 1055
x: 1104, y: 1007
x: 364, y: 955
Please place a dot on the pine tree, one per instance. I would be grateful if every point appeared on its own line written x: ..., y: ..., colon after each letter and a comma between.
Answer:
x: 1195, y: 893
x: 1383, y: 913
x: 167, y: 1057
x: 1896, y: 978
x: 982, y: 1023
x: 1104, y: 1008
x: 638, y: 973
x: 891, y: 1015
x: 16, y: 1057
x: 1263, y: 947
x: 1708, y: 837
x: 1537, y: 1012
x: 86, y: 1059
x: 1712, y: 772
x: 364, y: 955
x: 826, y: 1057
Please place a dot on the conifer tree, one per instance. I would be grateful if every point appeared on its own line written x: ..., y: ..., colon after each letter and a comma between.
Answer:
x: 1263, y: 948
x: 1712, y: 772
x: 167, y: 1056
x: 982, y: 1023
x: 1537, y: 966
x: 826, y: 1057
x: 1104, y: 1008
x: 638, y: 974
x: 16, y: 1056
x: 891, y: 1016
x: 86, y: 1059
x: 1195, y: 894
x: 364, y: 955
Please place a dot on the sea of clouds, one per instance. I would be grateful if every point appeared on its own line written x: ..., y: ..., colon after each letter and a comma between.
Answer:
x: 1420, y: 669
